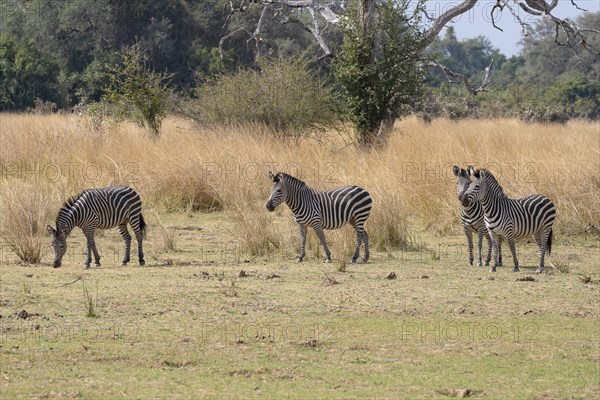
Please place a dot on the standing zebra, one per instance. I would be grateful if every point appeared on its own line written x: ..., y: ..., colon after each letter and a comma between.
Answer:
x: 99, y: 209
x: 471, y: 218
x: 330, y: 209
x: 532, y: 215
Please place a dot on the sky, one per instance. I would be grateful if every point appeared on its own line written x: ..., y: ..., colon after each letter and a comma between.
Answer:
x: 478, y: 21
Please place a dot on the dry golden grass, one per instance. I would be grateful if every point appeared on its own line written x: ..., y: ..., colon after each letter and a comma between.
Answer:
x: 25, y: 211
x: 190, y: 168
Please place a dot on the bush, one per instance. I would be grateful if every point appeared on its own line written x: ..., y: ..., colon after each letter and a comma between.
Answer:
x: 284, y: 94
x: 137, y: 93
x: 25, y: 213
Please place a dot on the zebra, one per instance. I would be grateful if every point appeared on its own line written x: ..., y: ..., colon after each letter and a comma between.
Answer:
x: 471, y: 218
x: 531, y: 215
x: 102, y: 208
x: 330, y: 209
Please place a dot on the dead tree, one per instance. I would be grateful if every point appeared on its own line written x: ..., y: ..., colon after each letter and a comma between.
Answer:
x: 324, y: 13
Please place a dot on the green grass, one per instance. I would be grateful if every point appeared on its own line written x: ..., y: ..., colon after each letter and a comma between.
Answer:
x: 187, y: 325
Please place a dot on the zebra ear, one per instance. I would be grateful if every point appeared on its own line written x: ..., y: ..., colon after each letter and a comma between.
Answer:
x: 51, y: 230
x: 456, y: 170
x: 470, y: 170
x: 271, y: 176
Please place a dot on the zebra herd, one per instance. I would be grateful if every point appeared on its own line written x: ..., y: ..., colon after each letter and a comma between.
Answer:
x: 486, y: 210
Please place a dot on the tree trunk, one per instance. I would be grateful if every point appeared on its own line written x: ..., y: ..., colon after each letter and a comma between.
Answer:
x: 377, y: 138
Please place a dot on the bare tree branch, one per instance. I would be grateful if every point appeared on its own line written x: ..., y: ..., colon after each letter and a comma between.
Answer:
x: 323, y: 12
x: 451, y: 76
x: 441, y: 21
x: 230, y: 35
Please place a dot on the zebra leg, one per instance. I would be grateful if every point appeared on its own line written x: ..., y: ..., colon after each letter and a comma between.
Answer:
x: 91, y: 247
x: 500, y: 251
x: 127, y: 239
x: 139, y: 237
x: 488, y: 258
x: 469, y: 235
x: 495, y: 244
x: 511, y: 245
x: 366, y: 242
x: 359, y: 239
x: 321, y: 236
x: 480, y: 234
x: 302, y: 242
x: 542, y: 242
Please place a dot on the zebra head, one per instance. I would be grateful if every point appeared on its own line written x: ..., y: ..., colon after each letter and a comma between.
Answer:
x: 278, y: 191
x: 477, y: 188
x: 462, y: 181
x: 59, y: 244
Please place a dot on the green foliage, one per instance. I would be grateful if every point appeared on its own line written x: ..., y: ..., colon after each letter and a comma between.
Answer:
x: 26, y: 74
x: 545, y: 83
x: 468, y: 57
x: 284, y: 94
x: 579, y: 96
x: 377, y: 67
x: 136, y: 92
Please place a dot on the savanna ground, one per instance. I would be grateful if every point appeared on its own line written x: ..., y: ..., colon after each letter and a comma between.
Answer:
x: 221, y: 310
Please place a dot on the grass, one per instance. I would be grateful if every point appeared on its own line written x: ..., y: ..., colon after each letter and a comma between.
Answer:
x: 25, y: 211
x: 190, y: 325
x: 195, y: 328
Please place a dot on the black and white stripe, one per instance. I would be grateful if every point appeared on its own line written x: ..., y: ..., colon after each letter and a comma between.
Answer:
x: 330, y: 209
x: 105, y: 208
x: 511, y: 218
x: 471, y: 219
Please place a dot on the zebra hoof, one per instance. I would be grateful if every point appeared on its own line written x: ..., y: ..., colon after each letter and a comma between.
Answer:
x: 86, y: 266
x: 493, y: 269
x: 327, y: 260
x: 352, y: 261
x: 97, y: 265
x: 142, y: 263
x: 479, y: 264
x: 123, y: 264
x: 516, y: 269
x: 539, y: 271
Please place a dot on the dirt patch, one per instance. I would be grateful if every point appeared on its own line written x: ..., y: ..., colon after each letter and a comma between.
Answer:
x: 525, y: 279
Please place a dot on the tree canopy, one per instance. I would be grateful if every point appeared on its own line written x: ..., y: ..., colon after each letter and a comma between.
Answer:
x: 62, y: 52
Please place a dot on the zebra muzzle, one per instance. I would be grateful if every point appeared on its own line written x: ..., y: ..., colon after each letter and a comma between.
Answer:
x: 270, y: 206
x: 465, y: 201
x: 57, y: 263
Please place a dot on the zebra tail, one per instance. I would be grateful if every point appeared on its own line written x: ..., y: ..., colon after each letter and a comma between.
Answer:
x: 550, y: 241
x: 142, y: 226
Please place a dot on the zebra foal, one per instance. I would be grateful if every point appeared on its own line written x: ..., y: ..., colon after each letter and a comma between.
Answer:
x: 330, y: 209
x: 93, y: 209
x: 531, y: 215
x: 471, y: 218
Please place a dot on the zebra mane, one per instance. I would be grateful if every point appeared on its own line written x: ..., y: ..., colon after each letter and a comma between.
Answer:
x: 68, y: 205
x: 290, y: 179
x: 490, y: 178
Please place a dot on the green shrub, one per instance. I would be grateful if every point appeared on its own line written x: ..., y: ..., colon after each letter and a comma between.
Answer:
x: 136, y: 92
x: 283, y: 94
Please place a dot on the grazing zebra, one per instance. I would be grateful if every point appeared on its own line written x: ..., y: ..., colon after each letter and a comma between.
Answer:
x: 99, y: 209
x: 471, y: 218
x: 532, y: 215
x: 330, y: 209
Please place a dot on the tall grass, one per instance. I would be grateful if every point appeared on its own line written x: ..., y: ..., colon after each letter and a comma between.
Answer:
x: 411, y: 181
x: 25, y: 211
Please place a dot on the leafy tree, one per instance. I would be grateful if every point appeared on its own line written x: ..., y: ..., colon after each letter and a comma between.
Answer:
x: 136, y: 92
x: 468, y: 57
x: 284, y: 94
x: 376, y: 68
x: 26, y: 74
